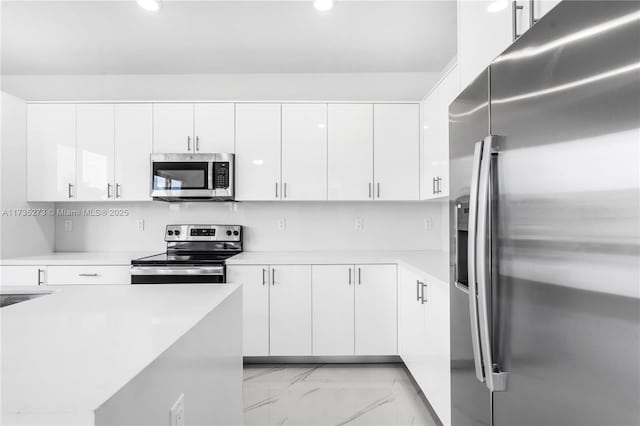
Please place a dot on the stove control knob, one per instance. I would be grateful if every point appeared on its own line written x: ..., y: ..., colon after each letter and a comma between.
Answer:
x: 229, y: 232
x: 170, y: 232
x: 236, y: 233
x: 177, y: 232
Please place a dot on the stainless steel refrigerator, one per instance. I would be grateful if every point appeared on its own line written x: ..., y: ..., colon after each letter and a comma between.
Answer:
x: 545, y: 235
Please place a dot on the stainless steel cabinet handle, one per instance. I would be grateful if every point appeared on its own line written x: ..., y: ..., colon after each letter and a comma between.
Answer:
x: 276, y: 189
x: 188, y: 143
x: 118, y: 190
x: 423, y: 298
x: 264, y: 281
x: 273, y: 276
x: 349, y: 276
x: 88, y: 275
x: 471, y: 262
x: 40, y: 276
x: 418, y: 290
x: 514, y: 18
x: 532, y: 15
x: 69, y: 189
x: 359, y: 276
x: 433, y: 186
x: 284, y: 190
x: 369, y: 189
x: 495, y: 380
x: 197, y: 143
x: 378, y: 190
x: 108, y: 190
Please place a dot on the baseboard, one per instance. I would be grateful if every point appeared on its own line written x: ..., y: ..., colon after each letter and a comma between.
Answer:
x: 423, y: 397
x: 363, y: 359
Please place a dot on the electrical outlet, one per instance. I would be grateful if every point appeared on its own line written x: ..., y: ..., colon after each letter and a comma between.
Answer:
x: 68, y: 225
x: 140, y: 225
x: 358, y: 224
x: 282, y: 224
x: 177, y: 412
x: 428, y: 224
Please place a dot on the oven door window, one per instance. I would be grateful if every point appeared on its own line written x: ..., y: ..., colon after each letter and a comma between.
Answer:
x: 169, y: 176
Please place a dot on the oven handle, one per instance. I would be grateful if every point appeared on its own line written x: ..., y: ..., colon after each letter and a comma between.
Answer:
x: 177, y: 270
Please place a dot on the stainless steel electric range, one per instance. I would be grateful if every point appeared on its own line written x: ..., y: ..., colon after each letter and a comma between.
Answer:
x: 195, y: 254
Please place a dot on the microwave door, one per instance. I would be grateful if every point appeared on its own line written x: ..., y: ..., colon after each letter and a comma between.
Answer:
x: 181, y: 179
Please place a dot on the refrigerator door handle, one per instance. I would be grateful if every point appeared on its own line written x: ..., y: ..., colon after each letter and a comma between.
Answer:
x: 495, y: 380
x: 471, y: 256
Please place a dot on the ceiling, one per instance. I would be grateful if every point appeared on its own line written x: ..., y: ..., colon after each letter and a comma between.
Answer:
x: 185, y: 37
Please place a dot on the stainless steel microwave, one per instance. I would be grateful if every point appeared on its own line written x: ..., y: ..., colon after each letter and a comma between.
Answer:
x: 192, y: 177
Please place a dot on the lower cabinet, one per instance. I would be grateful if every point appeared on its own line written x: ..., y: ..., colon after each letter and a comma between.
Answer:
x: 424, y: 337
x: 354, y: 310
x: 22, y: 275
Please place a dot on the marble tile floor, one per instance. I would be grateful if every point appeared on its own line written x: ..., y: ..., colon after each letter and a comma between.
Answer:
x: 332, y: 394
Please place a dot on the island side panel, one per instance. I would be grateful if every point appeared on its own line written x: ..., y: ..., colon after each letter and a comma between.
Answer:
x: 205, y: 365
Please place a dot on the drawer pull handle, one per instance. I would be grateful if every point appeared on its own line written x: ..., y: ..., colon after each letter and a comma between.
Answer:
x: 89, y: 275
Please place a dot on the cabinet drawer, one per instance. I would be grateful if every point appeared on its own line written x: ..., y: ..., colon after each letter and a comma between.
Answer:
x: 22, y: 275
x: 70, y: 275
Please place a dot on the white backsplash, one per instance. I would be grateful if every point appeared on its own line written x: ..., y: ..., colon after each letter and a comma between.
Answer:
x: 308, y: 226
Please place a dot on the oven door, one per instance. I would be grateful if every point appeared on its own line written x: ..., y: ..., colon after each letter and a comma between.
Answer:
x: 183, y: 274
x: 181, y: 176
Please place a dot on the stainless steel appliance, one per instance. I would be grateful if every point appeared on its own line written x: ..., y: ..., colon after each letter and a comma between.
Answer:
x: 195, y: 254
x: 545, y: 198
x: 192, y: 177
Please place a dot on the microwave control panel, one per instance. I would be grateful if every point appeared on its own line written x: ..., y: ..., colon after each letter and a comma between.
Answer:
x: 221, y: 175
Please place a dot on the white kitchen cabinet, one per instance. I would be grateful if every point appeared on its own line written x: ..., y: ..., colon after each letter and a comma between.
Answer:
x: 396, y: 151
x: 51, y: 152
x: 350, y: 156
x: 485, y: 29
x: 304, y: 151
x: 333, y: 309
x: 435, y: 136
x: 214, y: 130
x: 411, y: 324
x: 88, y: 274
x: 255, y: 306
x: 173, y: 128
x: 23, y: 275
x: 133, y: 145
x: 95, y: 152
x: 375, y: 310
x: 542, y: 7
x: 258, y: 131
x: 290, y: 310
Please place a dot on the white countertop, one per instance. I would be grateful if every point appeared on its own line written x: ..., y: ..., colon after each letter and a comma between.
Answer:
x: 78, y: 258
x: 431, y: 262
x: 68, y: 352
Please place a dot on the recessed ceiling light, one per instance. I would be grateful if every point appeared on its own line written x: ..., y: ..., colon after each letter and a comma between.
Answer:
x: 323, y: 5
x: 150, y: 5
x: 497, y: 6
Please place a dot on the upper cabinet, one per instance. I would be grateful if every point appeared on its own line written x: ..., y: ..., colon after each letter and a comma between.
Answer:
x: 51, y: 152
x: 95, y: 151
x: 304, y: 151
x: 133, y: 144
x: 258, y: 128
x: 396, y: 151
x: 193, y: 128
x: 350, y: 152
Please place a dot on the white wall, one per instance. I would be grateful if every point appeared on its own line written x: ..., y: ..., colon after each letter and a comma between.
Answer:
x: 309, y: 226
x: 19, y: 235
x: 410, y: 86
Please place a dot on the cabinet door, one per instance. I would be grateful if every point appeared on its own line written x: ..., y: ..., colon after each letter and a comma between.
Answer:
x: 95, y: 152
x: 333, y: 296
x: 410, y: 318
x: 447, y: 92
x: 375, y: 310
x: 290, y: 310
x: 255, y: 306
x: 172, y: 128
x: 542, y: 7
x: 133, y: 145
x: 304, y: 151
x: 214, y: 128
x: 22, y: 275
x: 430, y: 150
x: 51, y: 152
x: 258, y: 152
x: 350, y: 144
x: 436, y: 354
x: 396, y: 151
x: 484, y: 31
